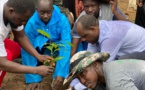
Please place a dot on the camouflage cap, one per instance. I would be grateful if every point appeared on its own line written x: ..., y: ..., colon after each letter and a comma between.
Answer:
x: 81, y: 61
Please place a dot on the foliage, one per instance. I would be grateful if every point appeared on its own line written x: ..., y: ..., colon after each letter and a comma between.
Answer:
x: 44, y: 33
x: 53, y: 47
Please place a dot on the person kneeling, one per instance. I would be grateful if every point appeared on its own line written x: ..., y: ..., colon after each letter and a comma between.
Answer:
x: 95, y: 73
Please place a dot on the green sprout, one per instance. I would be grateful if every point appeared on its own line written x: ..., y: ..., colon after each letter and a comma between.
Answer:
x: 53, y: 47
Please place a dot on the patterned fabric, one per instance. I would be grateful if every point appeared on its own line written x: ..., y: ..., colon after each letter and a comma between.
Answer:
x: 82, y: 60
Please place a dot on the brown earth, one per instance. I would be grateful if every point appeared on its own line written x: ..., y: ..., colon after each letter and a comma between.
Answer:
x: 16, y: 81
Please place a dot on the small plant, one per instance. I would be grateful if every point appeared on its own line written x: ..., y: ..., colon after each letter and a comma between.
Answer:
x: 53, y: 48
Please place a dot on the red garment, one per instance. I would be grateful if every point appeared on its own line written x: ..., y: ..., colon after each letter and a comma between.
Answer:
x: 79, y: 7
x: 13, y: 51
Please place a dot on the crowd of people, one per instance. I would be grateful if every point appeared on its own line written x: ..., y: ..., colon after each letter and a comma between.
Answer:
x: 107, y: 50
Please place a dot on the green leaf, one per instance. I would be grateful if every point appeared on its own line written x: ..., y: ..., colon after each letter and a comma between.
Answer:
x: 44, y: 33
x: 56, y: 49
x: 57, y: 58
x: 61, y: 45
x: 70, y: 44
x: 49, y: 47
x: 54, y: 45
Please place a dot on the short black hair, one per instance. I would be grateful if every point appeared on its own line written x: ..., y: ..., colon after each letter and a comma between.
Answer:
x: 21, y: 6
x: 38, y: 1
x: 97, y: 1
x: 87, y: 21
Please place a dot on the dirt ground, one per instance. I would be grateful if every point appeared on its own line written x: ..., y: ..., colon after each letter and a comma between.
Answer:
x: 16, y: 81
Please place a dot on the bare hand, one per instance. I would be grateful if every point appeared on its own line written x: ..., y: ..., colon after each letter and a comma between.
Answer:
x: 139, y: 3
x: 42, y: 58
x: 44, y: 70
x: 57, y: 83
x: 113, y: 5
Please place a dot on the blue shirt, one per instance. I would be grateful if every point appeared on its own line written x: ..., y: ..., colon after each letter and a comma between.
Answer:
x: 59, y: 30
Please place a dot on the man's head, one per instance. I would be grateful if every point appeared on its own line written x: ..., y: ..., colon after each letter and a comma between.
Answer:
x: 18, y: 11
x: 45, y: 9
x: 91, y: 7
x: 86, y: 66
x: 88, y: 28
x: 91, y: 75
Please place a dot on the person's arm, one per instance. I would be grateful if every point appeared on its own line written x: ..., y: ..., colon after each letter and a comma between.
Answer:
x: 75, y: 37
x: 75, y: 40
x: 111, y: 46
x: 115, y: 10
x: 13, y: 67
x: 63, y: 65
x: 22, y: 39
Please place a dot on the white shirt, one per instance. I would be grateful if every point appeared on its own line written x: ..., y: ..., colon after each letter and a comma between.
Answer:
x: 119, y: 38
x: 4, y: 30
